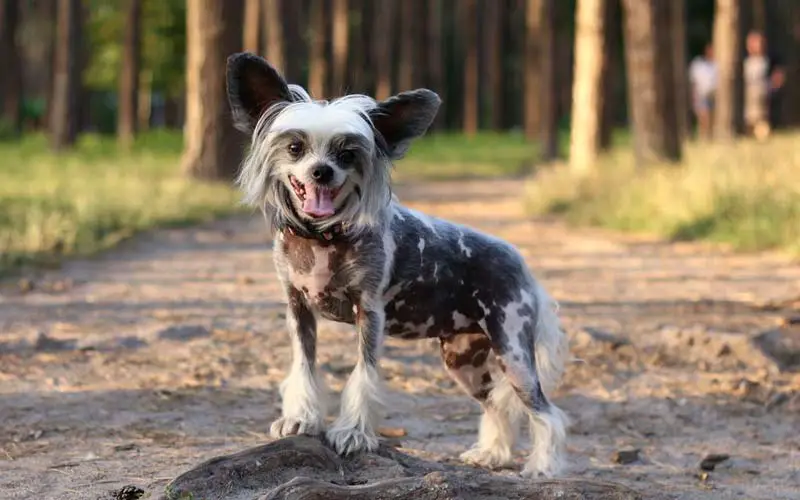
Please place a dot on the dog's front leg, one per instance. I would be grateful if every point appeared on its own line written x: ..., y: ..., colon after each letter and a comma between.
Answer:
x: 356, y: 428
x: 303, y: 392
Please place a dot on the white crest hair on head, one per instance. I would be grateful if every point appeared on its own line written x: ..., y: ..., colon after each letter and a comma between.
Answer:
x: 259, y: 179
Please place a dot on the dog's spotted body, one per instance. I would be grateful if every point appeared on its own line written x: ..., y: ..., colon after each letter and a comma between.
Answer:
x: 347, y: 251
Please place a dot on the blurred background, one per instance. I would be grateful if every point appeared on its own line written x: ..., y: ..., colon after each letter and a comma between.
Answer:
x: 667, y: 116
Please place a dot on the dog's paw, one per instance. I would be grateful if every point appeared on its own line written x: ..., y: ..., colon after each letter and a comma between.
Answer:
x: 491, y: 458
x: 349, y: 440
x: 547, y: 468
x: 292, y: 426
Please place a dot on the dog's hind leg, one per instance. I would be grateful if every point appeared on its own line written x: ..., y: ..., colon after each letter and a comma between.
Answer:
x: 467, y: 359
x: 303, y: 392
x: 528, y: 339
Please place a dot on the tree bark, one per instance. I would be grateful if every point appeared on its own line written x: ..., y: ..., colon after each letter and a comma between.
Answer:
x: 408, y: 71
x: 129, y: 77
x: 11, y: 79
x: 548, y: 136
x: 252, y: 25
x: 341, y: 35
x: 317, y: 71
x: 728, y: 58
x: 612, y: 73
x: 65, y: 114
x: 435, y: 60
x: 385, y: 21
x: 666, y: 89
x: 471, y: 45
x: 533, y: 62
x: 677, y: 11
x: 303, y: 467
x: 588, y: 85
x: 647, y: 84
x: 494, y: 11
x: 360, y: 77
x: 212, y: 147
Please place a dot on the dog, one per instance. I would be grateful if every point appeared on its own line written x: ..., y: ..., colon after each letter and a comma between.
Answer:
x: 346, y: 250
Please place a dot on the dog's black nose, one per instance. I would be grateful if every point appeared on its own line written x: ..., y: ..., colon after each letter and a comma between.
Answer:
x: 322, y: 174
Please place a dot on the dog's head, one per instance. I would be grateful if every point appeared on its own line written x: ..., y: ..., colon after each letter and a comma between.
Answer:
x: 317, y: 162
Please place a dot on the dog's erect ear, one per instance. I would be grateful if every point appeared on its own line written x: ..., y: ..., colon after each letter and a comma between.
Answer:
x: 253, y: 86
x: 404, y: 117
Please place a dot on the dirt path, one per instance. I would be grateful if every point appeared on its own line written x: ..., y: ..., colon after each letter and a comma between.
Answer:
x: 129, y: 368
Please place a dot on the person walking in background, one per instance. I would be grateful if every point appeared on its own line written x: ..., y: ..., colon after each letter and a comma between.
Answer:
x: 703, y: 79
x: 763, y: 78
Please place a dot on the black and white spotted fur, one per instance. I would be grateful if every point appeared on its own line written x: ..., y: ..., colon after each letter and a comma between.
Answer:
x: 389, y: 270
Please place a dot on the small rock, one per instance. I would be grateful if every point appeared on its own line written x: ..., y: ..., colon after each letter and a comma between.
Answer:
x: 589, y: 335
x: 710, y: 462
x: 129, y: 492
x: 184, y: 332
x: 625, y: 457
x: 126, y: 447
x: 45, y: 343
x: 791, y: 320
x: 782, y: 346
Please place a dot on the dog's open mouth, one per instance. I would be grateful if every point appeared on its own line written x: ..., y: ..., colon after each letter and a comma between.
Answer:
x: 317, y: 200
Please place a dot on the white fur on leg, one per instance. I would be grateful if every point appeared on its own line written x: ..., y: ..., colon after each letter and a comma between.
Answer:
x: 356, y: 428
x: 495, y: 441
x: 304, y: 404
x: 303, y: 392
x: 499, y: 427
x: 548, y: 433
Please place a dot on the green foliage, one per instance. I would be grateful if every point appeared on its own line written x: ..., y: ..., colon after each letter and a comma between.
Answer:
x: 747, y: 195
x: 163, y: 44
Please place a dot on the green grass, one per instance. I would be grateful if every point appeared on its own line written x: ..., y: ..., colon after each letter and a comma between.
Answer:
x: 88, y: 199
x: 746, y: 195
x: 93, y: 197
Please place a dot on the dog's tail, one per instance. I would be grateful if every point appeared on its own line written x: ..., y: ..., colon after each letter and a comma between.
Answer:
x: 551, y: 346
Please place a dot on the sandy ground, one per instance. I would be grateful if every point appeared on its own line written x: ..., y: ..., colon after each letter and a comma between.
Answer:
x: 133, y: 366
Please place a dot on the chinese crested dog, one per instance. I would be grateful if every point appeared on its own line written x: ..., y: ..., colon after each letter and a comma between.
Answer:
x: 346, y: 250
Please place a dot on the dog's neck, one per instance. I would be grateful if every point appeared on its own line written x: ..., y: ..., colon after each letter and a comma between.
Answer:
x: 306, y: 231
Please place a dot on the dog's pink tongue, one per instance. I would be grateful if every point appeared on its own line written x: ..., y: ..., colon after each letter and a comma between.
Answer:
x: 318, y: 202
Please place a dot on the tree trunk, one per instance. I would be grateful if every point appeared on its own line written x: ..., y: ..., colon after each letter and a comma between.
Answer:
x: 666, y: 89
x: 549, y: 88
x: 274, y: 19
x: 612, y: 72
x: 252, y: 26
x: 317, y: 71
x: 212, y: 147
x: 494, y: 10
x: 533, y: 62
x: 649, y: 77
x: 385, y: 20
x: 129, y: 78
x: 471, y: 94
x: 792, y: 18
x: 360, y: 77
x: 408, y: 71
x: 341, y: 34
x: 677, y: 11
x: 66, y: 75
x: 11, y: 79
x: 588, y: 85
x: 727, y: 55
x: 435, y: 59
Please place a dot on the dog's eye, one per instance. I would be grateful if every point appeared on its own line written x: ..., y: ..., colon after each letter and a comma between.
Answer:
x: 296, y: 148
x: 347, y: 157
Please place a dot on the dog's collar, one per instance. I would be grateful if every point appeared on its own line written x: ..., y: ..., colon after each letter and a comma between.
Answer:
x: 335, y: 232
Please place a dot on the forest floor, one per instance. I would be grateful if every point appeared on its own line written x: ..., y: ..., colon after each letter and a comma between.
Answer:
x: 132, y: 366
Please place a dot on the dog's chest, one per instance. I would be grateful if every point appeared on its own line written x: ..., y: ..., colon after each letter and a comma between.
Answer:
x: 318, y: 270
